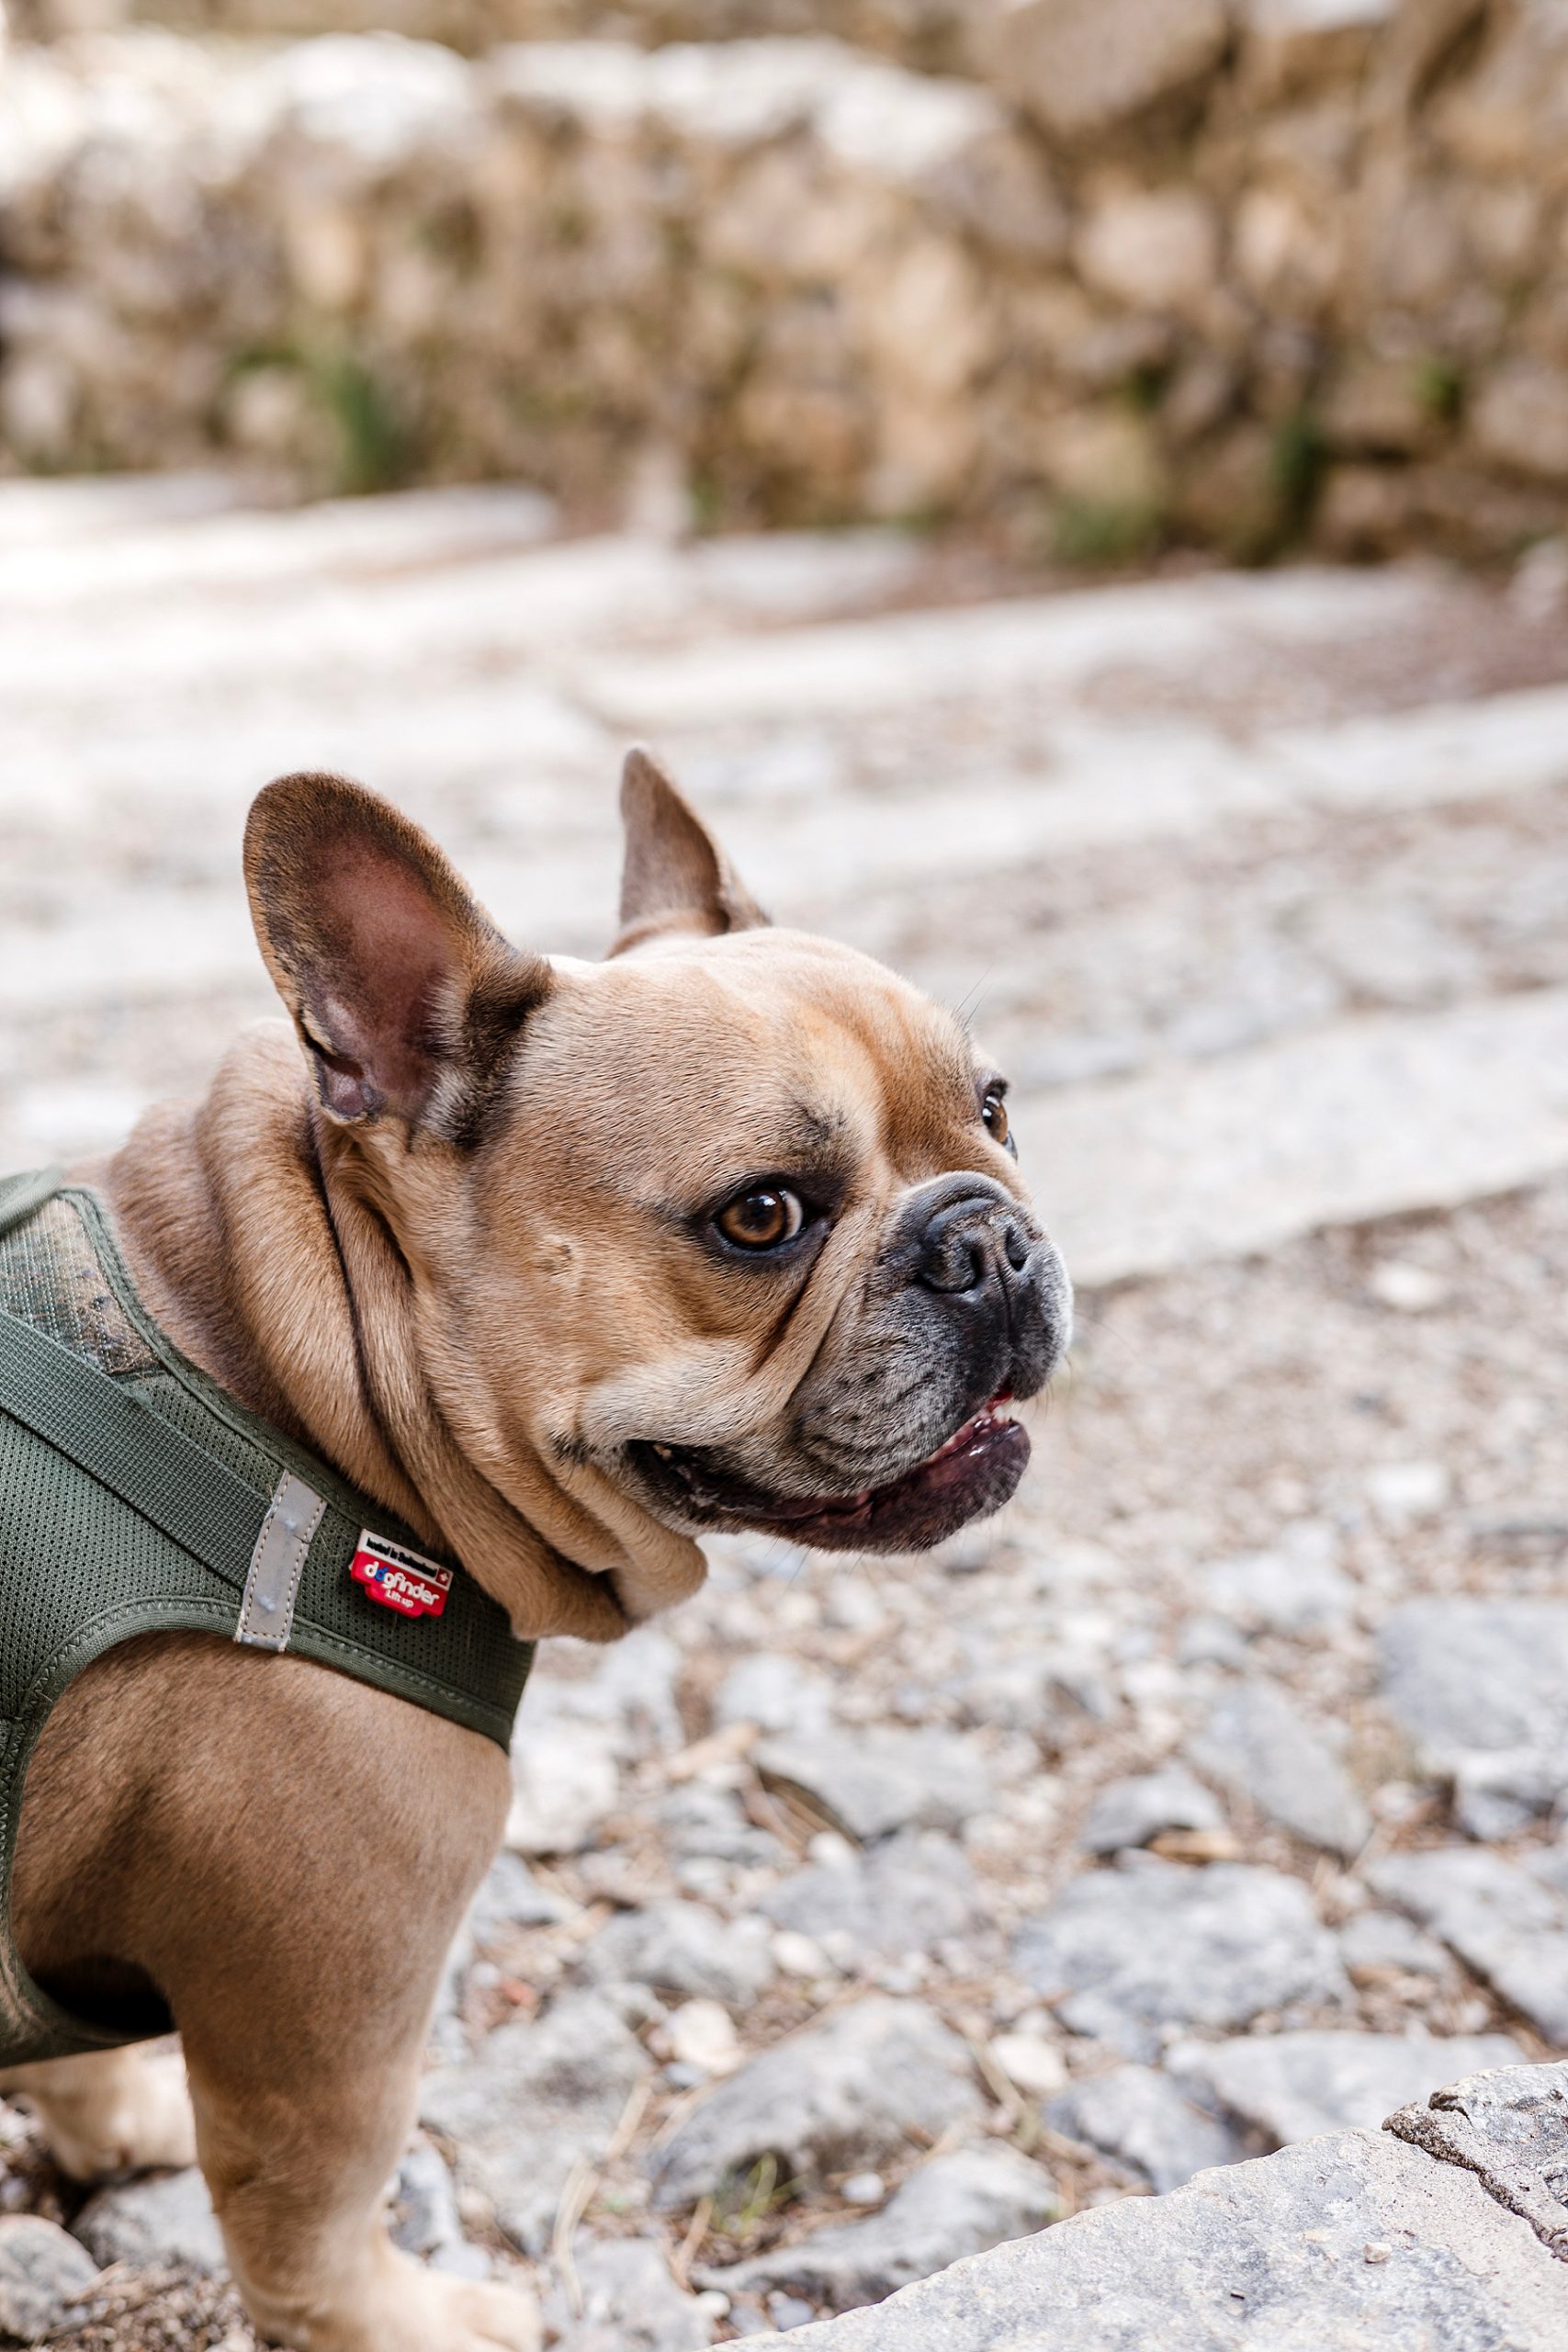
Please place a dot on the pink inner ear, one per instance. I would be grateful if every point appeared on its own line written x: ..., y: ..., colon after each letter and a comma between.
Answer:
x: 397, y: 953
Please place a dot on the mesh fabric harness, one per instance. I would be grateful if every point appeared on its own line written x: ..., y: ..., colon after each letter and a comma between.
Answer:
x: 137, y: 1497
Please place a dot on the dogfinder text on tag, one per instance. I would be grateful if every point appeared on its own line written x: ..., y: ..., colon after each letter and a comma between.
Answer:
x: 400, y: 1580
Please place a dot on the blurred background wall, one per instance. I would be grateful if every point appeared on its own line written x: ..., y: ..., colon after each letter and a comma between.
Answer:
x: 1111, y: 274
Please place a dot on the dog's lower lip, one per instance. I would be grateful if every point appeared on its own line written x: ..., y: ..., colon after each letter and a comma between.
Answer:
x: 945, y: 1465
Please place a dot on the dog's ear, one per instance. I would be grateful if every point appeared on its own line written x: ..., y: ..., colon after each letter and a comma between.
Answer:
x: 676, y: 877
x: 405, y: 995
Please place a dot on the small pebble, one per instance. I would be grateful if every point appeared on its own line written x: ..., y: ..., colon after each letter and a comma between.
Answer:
x: 788, y: 2310
x: 1030, y: 2064
x: 800, y: 1955
x: 863, y: 2188
x: 701, y: 2035
x: 1401, y: 1491
x: 830, y: 1851
x: 1409, y: 1290
x: 1376, y: 2251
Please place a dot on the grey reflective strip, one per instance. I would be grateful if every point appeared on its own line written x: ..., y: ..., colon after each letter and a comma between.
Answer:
x: 266, y: 1614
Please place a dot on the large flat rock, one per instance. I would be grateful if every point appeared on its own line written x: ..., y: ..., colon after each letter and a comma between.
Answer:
x: 1124, y: 1953
x: 849, y: 2091
x: 1482, y: 1686
x: 1358, y: 2243
x: 571, y: 2076
x: 1507, y: 1920
x: 1292, y: 2086
x: 956, y: 2205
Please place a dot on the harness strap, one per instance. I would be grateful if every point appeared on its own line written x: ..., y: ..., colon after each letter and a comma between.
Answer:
x: 130, y: 1449
x: 21, y: 1196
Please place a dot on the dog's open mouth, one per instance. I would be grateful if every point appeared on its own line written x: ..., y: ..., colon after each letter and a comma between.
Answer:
x: 974, y: 1471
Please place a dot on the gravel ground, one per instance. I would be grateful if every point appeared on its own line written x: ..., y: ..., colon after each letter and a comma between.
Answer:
x: 1257, y: 1408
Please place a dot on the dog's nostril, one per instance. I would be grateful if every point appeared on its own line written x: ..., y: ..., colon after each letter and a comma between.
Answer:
x: 956, y: 1253
x: 1017, y: 1244
x: 954, y: 1265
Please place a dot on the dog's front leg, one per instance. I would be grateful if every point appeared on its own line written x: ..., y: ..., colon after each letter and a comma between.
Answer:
x: 297, y: 2174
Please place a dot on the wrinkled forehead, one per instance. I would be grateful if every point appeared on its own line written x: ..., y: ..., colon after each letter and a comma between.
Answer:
x: 756, y: 1051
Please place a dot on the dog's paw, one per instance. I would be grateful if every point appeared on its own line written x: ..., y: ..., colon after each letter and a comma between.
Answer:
x: 415, y: 2310
x: 122, y: 2112
x: 481, y: 2318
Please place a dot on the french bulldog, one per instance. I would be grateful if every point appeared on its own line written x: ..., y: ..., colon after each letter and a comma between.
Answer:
x: 573, y: 1266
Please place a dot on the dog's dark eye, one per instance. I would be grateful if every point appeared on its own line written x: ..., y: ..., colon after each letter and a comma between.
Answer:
x: 763, y: 1218
x: 994, y: 1112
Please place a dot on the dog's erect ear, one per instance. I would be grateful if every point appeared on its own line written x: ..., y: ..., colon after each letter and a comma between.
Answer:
x: 676, y: 877
x: 405, y: 995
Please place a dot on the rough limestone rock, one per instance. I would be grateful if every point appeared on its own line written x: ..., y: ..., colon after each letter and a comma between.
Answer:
x: 877, y: 1780
x: 1138, y: 2117
x: 1084, y: 67
x: 838, y: 2097
x: 706, y: 1833
x: 776, y: 1693
x: 510, y: 1896
x: 167, y: 2217
x: 1482, y: 1686
x: 569, y: 2076
x: 1292, y: 2086
x: 1297, y: 1587
x: 1156, y: 253
x: 1375, y: 1943
x: 1256, y: 1743
x: 955, y: 2206
x: 1132, y: 1812
x: 630, y: 1694
x: 566, y: 1779
x: 683, y: 1949
x: 1150, y: 1944
x: 1521, y: 419
x: 424, y: 2218
x: 630, y: 2303
x: 1510, y: 2128
x: 1506, y: 1920
x: 41, y: 2271
x: 1355, y: 2244
x: 904, y: 1896
x: 1295, y: 47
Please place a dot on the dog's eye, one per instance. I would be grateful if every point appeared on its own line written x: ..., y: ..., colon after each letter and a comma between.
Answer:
x: 994, y: 1112
x: 763, y: 1217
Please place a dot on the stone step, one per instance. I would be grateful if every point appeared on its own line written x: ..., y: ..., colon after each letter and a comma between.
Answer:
x: 257, y: 555
x: 1107, y: 787
x: 92, y: 507
x: 503, y: 761
x: 1052, y: 643
x: 431, y: 623
x: 1366, y: 1119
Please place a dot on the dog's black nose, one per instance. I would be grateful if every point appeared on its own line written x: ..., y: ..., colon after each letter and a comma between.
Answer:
x: 971, y: 1242
x: 981, y: 1261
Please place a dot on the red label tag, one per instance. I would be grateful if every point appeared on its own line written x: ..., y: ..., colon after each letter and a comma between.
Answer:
x: 401, y: 1579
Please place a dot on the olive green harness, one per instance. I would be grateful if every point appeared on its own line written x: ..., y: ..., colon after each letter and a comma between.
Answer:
x: 136, y: 1497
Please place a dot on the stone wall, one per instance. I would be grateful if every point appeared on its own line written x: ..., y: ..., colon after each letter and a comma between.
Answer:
x: 1150, y: 272
x: 934, y: 36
